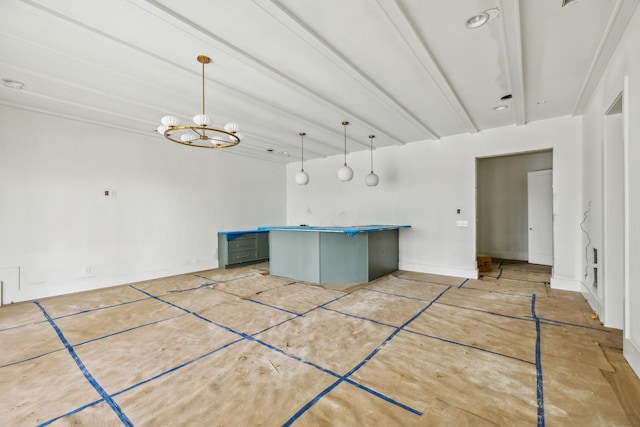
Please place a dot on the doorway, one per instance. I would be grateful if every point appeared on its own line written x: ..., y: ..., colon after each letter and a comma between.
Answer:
x: 502, y: 203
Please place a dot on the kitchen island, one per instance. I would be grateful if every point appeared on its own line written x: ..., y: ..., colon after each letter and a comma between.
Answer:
x: 331, y: 255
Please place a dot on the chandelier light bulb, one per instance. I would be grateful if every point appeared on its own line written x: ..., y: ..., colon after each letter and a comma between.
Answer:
x: 170, y: 121
x: 162, y: 129
x: 187, y: 137
x: 232, y: 127
x: 202, y: 120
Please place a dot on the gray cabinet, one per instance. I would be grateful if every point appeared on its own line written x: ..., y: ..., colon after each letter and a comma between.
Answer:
x: 242, y: 247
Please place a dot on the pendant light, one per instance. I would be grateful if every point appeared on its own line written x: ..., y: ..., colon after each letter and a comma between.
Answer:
x: 345, y: 173
x: 372, y: 179
x: 302, y: 178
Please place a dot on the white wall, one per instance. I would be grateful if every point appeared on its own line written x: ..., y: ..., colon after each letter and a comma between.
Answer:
x: 502, y: 203
x: 60, y: 234
x: 624, y: 66
x: 424, y: 183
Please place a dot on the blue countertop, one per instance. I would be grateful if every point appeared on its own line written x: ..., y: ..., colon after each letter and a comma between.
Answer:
x: 349, y: 231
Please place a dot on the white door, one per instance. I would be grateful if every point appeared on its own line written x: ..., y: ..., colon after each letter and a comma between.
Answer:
x: 540, y: 210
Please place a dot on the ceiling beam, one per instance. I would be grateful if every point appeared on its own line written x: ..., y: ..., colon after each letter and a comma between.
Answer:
x: 512, y: 34
x: 317, y: 43
x: 198, y: 31
x: 398, y: 18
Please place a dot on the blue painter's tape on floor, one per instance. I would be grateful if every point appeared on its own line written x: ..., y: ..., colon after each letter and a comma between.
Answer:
x: 75, y: 411
x: 539, y: 387
x: 463, y: 282
x: 396, y: 295
x: 324, y: 392
x: 101, y: 391
x: 471, y: 346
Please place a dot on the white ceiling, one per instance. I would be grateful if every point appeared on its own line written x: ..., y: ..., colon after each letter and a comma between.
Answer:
x: 404, y: 70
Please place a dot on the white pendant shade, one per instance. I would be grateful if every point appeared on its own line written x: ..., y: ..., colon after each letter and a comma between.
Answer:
x: 187, y: 137
x: 232, y: 127
x: 302, y: 178
x: 372, y: 180
x: 345, y: 173
x: 170, y: 121
x: 202, y: 120
x: 162, y: 129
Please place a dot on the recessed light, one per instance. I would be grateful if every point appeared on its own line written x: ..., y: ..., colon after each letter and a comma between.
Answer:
x: 13, y: 84
x: 506, y: 97
x: 482, y: 18
x: 541, y: 102
x: 500, y: 107
x: 477, y: 20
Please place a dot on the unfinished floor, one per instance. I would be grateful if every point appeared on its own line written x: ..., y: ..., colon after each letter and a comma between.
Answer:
x: 239, y: 347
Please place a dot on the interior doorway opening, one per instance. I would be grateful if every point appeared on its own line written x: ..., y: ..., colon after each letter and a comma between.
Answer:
x: 502, y: 217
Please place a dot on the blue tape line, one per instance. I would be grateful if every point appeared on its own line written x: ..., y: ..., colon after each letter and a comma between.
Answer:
x: 271, y: 306
x: 526, y: 319
x: 552, y: 322
x: 269, y: 346
x: 463, y: 282
x: 75, y: 411
x: 313, y: 401
x: 31, y: 358
x: 127, y: 330
x: 326, y: 303
x: 101, y: 391
x: 203, y: 286
x: 470, y: 346
x: 360, y: 317
x: 206, y: 278
x: 500, y: 292
x: 175, y: 368
x: 99, y: 308
x: 383, y: 397
x: 396, y: 295
x: 539, y: 386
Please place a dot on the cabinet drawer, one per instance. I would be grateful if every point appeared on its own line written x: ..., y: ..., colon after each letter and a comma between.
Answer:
x: 243, y: 244
x: 242, y: 256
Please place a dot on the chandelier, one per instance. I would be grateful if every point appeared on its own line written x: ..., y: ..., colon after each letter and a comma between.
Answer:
x: 201, y: 133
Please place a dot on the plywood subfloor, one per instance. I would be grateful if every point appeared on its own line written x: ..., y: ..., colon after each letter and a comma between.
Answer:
x: 239, y: 347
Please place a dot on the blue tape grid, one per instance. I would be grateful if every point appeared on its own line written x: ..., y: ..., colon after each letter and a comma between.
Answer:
x: 98, y: 388
x: 361, y: 364
x: 340, y: 378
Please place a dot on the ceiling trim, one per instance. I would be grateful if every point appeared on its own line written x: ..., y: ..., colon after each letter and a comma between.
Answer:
x: 190, y: 29
x: 400, y: 21
x: 616, y: 27
x: 512, y: 34
x: 198, y: 31
x: 286, y: 18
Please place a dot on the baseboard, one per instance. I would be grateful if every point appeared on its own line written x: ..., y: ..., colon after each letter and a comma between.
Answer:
x: 470, y: 273
x: 15, y: 294
x: 593, y: 301
x: 565, y: 284
x: 632, y: 354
